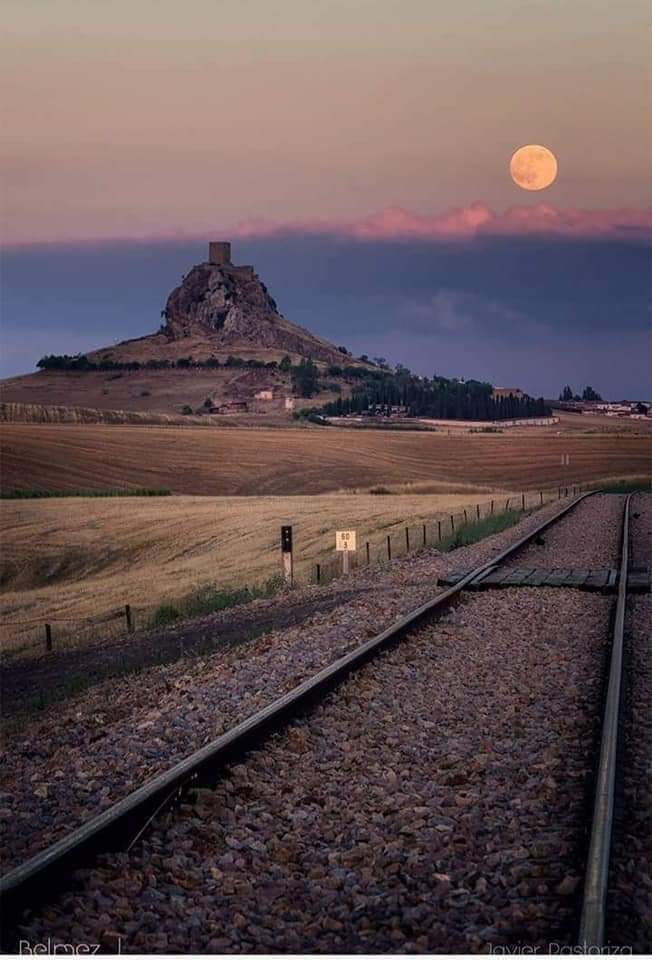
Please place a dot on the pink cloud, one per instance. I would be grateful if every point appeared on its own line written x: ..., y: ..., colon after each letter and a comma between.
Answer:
x: 394, y: 223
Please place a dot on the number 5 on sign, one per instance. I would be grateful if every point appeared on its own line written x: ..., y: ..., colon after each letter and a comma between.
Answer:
x: 345, y: 540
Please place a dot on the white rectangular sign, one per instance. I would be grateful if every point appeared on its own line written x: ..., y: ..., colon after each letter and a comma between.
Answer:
x: 345, y: 540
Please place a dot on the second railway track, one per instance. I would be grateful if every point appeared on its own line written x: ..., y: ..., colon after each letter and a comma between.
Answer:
x: 434, y: 801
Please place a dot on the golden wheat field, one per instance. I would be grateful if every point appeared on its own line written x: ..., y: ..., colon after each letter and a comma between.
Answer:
x: 284, y: 461
x: 87, y: 557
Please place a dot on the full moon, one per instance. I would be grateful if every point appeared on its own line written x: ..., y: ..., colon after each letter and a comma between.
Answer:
x: 533, y: 167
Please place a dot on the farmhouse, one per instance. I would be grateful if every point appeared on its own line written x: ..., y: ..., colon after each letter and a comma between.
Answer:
x: 233, y: 406
x: 507, y: 392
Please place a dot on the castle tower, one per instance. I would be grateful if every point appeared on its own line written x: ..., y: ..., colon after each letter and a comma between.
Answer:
x: 219, y: 253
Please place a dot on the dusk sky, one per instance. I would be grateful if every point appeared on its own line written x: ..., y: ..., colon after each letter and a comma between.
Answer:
x: 357, y: 151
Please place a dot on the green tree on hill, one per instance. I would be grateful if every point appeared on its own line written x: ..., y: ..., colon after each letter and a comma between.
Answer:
x: 305, y: 378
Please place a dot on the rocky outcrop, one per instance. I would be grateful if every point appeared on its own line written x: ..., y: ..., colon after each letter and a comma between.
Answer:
x: 231, y: 306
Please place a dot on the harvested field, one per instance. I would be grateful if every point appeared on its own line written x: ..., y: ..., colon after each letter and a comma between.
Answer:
x: 248, y: 462
x: 87, y: 557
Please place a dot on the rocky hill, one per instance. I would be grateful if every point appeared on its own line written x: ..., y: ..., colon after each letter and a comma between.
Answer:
x: 218, y: 310
x: 218, y: 350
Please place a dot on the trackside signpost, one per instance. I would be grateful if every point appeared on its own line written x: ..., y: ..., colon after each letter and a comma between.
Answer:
x: 286, y: 554
x: 345, y: 543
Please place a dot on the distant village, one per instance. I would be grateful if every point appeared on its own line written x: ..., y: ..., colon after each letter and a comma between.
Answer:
x: 631, y: 409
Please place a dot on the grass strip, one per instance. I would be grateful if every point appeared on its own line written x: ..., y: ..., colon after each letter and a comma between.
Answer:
x: 209, y: 598
x: 473, y: 531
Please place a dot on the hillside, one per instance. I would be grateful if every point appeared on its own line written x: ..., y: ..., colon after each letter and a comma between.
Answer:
x: 232, y: 391
x: 221, y: 342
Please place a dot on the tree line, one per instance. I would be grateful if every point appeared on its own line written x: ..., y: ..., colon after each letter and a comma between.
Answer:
x: 587, y: 394
x: 438, y: 398
x: 80, y: 362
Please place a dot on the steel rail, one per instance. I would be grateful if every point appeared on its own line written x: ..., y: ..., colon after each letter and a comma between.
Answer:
x: 594, y: 900
x: 37, y: 877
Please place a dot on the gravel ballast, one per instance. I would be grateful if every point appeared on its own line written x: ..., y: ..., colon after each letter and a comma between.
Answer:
x: 434, y: 802
x: 589, y: 537
x: 630, y: 893
x: 79, y: 758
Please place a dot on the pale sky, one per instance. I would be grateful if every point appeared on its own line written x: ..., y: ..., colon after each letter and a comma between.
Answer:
x: 176, y: 117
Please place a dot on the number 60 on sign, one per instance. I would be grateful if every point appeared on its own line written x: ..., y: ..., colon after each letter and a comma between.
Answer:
x: 345, y: 540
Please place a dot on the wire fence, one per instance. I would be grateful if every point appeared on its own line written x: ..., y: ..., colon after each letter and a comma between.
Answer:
x: 21, y: 638
x: 442, y: 531
x: 24, y: 637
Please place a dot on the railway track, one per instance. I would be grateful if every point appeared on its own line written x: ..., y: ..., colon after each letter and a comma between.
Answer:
x: 594, y: 902
x: 122, y: 824
x: 629, y: 897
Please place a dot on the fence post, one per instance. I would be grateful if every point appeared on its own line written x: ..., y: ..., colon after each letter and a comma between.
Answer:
x: 407, y: 539
x: 130, y: 625
x: 541, y: 496
x: 452, y: 523
x: 466, y: 519
x: 389, y: 547
x: 477, y: 510
x: 424, y: 535
x: 439, y: 530
x: 48, y: 636
x: 318, y: 572
x: 523, y: 501
x: 492, y: 506
x: 367, y: 549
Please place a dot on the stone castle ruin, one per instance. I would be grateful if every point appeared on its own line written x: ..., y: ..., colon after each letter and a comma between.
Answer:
x: 219, y: 255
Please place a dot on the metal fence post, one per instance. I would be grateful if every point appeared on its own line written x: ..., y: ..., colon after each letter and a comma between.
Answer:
x: 48, y: 636
x: 439, y: 530
x: 389, y: 547
x: 407, y: 539
x: 318, y: 572
x: 367, y: 549
x: 130, y: 625
x: 477, y: 510
x: 424, y: 535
